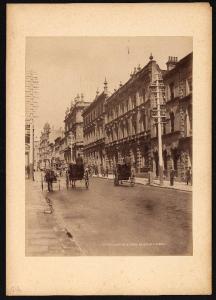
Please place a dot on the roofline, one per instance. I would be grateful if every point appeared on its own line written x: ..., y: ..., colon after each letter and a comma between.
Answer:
x: 130, y: 79
x: 86, y: 109
x: 179, y: 63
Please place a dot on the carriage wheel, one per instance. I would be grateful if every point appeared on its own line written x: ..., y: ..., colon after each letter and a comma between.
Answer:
x: 132, y: 181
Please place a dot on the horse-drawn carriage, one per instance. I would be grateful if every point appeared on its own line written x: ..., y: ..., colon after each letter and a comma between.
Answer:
x: 76, y: 172
x: 124, y: 172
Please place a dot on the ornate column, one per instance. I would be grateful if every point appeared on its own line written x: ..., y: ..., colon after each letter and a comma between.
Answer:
x: 138, y: 121
x: 139, y: 157
x: 131, y: 155
x: 129, y: 126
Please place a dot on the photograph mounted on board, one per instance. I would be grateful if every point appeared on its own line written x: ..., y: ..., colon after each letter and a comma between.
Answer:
x: 108, y: 146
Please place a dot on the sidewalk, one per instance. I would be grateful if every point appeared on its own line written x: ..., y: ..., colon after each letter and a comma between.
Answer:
x: 177, y: 185
x: 44, y: 235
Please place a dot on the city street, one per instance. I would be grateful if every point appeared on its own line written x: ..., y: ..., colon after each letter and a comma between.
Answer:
x: 108, y: 220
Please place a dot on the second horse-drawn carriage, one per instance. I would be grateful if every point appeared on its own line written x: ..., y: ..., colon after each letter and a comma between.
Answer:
x: 76, y: 172
x: 124, y: 172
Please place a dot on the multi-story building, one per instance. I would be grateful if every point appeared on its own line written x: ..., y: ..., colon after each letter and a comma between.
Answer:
x: 74, y: 128
x: 130, y: 129
x: 128, y: 125
x: 31, y: 97
x: 44, y: 147
x: 36, y: 154
x: 62, y: 146
x: 93, y: 130
x: 123, y: 124
x: 27, y: 143
x: 177, y: 135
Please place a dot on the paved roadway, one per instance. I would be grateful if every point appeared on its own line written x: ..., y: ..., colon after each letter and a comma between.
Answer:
x: 124, y: 220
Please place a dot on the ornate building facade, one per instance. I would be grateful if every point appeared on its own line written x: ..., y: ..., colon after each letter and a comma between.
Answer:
x: 129, y: 126
x: 177, y: 136
x: 74, y: 129
x: 130, y: 129
x: 44, y: 150
x: 123, y: 123
x: 93, y: 130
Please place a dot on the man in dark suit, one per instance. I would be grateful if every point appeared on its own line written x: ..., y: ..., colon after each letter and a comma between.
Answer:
x: 172, y: 176
x: 80, y: 165
x: 79, y: 160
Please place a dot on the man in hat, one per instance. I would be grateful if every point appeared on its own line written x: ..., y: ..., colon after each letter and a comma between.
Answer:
x: 172, y: 176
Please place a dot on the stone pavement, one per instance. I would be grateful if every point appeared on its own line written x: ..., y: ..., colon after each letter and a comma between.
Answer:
x: 177, y: 185
x: 46, y: 235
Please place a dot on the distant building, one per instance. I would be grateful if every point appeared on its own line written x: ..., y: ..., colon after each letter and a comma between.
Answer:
x: 27, y: 143
x: 93, y: 130
x: 36, y: 154
x: 44, y: 151
x: 74, y: 129
x: 62, y: 146
x: 31, y: 97
x: 177, y: 136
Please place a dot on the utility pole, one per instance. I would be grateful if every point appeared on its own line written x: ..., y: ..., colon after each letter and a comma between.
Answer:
x: 159, y: 131
x: 158, y: 113
x: 71, y: 143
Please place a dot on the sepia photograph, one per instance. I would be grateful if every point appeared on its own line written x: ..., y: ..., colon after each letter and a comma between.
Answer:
x: 108, y: 146
x: 108, y: 149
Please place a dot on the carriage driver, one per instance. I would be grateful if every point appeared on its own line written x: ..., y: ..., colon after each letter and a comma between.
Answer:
x: 79, y: 160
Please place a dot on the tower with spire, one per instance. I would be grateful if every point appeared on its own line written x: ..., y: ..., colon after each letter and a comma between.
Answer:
x: 105, y: 86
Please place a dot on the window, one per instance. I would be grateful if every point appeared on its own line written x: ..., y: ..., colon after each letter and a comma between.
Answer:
x: 122, y: 108
x: 144, y: 122
x: 189, y: 85
x: 171, y: 87
x: 116, y: 110
x: 172, y: 119
x: 134, y: 127
x: 143, y: 95
x: 127, y: 105
x: 134, y: 102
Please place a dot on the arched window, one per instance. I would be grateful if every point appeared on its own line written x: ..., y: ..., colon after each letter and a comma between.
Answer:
x: 134, y: 126
x: 144, y: 122
x: 172, y: 119
x: 164, y: 128
x: 171, y: 88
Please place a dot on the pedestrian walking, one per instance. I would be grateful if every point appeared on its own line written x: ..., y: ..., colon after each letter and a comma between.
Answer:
x: 49, y: 178
x: 172, y: 176
x: 107, y: 172
x: 188, y: 176
x: 28, y: 171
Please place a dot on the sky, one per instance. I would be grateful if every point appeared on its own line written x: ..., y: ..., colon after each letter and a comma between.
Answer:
x: 67, y: 66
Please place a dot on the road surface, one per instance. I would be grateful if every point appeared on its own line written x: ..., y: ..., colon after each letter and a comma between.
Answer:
x: 123, y: 220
